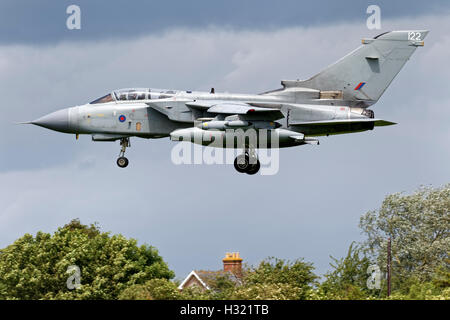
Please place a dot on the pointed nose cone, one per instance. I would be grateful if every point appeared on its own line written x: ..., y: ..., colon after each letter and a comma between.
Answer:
x: 58, y: 121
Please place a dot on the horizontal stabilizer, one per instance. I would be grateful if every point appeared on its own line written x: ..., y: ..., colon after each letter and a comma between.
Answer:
x: 377, y: 122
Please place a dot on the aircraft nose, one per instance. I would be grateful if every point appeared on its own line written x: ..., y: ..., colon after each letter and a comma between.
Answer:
x: 58, y: 121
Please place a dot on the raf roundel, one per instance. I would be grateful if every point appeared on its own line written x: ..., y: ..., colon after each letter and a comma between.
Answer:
x: 122, y: 118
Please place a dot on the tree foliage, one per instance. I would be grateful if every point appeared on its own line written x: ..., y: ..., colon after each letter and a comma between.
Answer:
x: 115, y: 267
x: 36, y: 267
x: 348, y: 277
x: 277, y: 278
x: 268, y: 291
x: 155, y: 289
x: 419, y: 226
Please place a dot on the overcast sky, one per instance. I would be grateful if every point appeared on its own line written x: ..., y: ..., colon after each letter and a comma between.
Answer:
x: 193, y: 214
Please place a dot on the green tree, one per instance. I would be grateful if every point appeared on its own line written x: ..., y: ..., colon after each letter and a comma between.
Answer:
x: 277, y: 279
x: 419, y: 226
x: 155, y: 289
x: 348, y: 278
x: 36, y: 267
x: 268, y: 291
x: 441, y: 277
x: 222, y: 287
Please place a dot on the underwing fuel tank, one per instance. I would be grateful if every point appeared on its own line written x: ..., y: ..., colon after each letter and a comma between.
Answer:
x: 237, y: 138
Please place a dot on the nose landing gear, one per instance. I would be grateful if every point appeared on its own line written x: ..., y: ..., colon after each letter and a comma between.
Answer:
x: 122, y: 161
x: 247, y: 162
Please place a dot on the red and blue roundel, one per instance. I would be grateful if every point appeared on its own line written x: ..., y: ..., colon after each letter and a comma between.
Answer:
x: 122, y: 118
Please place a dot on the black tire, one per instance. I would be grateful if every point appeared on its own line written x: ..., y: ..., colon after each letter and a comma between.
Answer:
x: 253, y: 168
x: 122, y: 162
x: 241, y: 163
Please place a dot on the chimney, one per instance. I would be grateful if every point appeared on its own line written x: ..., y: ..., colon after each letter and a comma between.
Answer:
x: 233, y: 263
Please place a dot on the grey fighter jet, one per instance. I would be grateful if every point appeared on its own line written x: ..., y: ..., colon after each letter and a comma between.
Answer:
x: 334, y: 101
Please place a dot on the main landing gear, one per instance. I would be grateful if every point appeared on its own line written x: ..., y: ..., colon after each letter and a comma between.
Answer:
x: 122, y: 161
x: 247, y: 162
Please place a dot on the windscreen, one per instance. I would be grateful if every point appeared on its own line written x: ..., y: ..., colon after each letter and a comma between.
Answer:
x: 104, y: 99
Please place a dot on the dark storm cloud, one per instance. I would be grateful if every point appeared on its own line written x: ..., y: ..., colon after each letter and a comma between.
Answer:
x: 44, y: 21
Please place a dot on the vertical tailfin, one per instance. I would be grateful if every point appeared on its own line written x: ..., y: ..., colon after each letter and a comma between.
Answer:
x: 365, y: 73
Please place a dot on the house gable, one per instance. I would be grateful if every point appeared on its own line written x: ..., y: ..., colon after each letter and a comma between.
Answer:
x: 193, y: 280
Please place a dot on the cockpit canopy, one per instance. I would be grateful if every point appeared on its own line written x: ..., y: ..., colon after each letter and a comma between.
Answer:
x: 132, y: 94
x: 135, y: 94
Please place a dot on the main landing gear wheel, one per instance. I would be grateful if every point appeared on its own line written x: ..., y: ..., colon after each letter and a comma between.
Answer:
x: 253, y: 168
x: 242, y: 164
x: 122, y: 161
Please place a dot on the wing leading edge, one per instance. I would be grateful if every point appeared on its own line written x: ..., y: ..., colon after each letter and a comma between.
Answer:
x: 236, y: 108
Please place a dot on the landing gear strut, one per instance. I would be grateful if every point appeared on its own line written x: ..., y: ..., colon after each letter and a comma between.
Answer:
x: 122, y: 161
x: 247, y: 162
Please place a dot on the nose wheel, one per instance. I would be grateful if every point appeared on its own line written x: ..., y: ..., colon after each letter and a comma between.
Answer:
x: 247, y: 163
x: 122, y: 161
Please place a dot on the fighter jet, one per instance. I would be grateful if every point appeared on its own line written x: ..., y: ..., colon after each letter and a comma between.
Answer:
x: 334, y: 101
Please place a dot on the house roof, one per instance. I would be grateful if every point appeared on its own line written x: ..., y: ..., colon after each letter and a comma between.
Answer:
x: 207, y: 277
